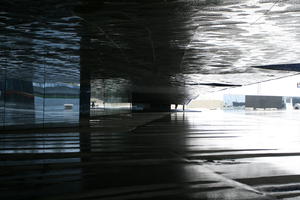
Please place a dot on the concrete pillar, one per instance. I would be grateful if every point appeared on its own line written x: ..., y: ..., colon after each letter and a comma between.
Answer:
x: 85, y: 96
x: 85, y: 89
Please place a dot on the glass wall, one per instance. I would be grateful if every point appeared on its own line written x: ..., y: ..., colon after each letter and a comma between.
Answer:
x: 39, y: 64
x: 61, y: 92
x: 41, y: 55
x: 31, y: 97
x: 2, y: 86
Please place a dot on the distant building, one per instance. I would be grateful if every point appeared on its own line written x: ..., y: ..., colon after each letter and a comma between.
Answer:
x: 238, y: 104
x: 207, y: 104
x: 256, y: 101
x: 236, y: 101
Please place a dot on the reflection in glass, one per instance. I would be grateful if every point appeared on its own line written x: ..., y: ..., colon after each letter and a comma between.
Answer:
x: 28, y: 98
x: 61, y: 103
x: 38, y: 88
x: 39, y: 65
x: 19, y: 102
x: 2, y: 85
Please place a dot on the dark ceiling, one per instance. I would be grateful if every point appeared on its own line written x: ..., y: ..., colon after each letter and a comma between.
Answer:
x: 175, y: 49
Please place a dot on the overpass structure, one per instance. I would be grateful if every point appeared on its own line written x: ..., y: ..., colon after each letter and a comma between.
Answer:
x: 152, y: 53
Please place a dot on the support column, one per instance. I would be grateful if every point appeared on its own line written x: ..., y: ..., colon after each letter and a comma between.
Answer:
x: 85, y: 98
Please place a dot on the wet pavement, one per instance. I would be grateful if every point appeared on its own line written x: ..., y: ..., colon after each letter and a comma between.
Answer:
x: 195, y: 155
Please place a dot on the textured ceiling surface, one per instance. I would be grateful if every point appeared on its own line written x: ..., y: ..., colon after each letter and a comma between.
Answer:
x: 185, y: 47
x: 38, y: 37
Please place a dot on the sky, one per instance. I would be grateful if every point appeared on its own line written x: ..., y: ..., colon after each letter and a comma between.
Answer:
x: 281, y: 87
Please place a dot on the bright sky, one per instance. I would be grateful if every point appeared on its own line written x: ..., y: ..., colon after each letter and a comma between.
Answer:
x: 280, y: 87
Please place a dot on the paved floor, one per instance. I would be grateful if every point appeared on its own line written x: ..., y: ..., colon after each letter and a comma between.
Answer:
x: 208, y: 155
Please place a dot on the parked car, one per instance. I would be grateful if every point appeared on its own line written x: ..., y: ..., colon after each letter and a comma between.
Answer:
x: 297, y: 106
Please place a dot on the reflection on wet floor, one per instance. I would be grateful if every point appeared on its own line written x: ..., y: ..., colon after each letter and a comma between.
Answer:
x: 208, y: 155
x: 39, y: 143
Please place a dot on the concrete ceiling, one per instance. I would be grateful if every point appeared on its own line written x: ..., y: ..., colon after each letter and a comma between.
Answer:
x: 179, y: 48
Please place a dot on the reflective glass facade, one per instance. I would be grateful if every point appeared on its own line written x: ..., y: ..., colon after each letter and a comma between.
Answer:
x: 39, y: 65
x: 29, y: 103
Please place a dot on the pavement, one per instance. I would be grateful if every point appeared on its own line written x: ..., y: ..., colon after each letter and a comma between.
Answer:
x: 213, y: 155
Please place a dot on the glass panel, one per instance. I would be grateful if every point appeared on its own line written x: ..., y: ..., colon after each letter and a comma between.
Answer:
x: 19, y: 97
x: 38, y: 89
x: 61, y: 103
x: 41, y: 61
x: 62, y: 92
x: 2, y: 85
